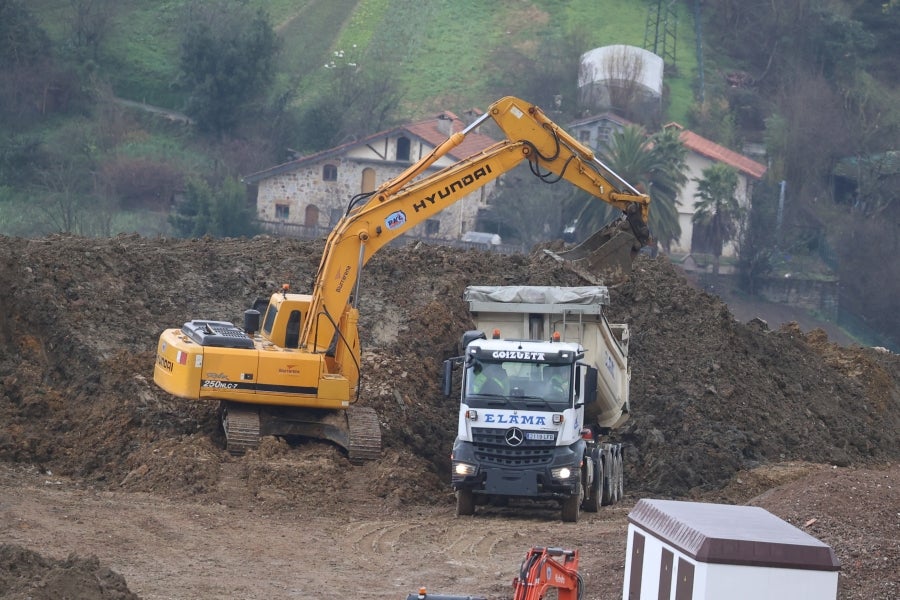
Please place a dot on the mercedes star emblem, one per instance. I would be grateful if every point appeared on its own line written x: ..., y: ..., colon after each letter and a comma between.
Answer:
x: 514, y: 436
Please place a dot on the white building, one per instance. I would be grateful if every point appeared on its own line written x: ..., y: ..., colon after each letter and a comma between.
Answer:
x: 702, y: 154
x: 623, y: 78
x: 597, y: 131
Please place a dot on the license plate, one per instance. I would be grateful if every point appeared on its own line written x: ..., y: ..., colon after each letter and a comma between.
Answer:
x: 540, y: 436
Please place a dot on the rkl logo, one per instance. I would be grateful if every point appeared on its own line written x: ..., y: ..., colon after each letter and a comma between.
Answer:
x: 395, y: 220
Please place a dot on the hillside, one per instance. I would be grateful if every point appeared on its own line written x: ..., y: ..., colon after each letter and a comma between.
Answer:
x: 722, y: 411
x: 139, y: 55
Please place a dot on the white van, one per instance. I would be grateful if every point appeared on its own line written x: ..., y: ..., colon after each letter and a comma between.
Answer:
x: 481, y: 237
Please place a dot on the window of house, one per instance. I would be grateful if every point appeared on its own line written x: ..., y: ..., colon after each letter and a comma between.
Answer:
x: 604, y: 134
x: 403, y: 148
x: 368, y: 180
x: 334, y: 216
x: 432, y: 227
x: 584, y: 136
x: 282, y: 212
x: 329, y: 173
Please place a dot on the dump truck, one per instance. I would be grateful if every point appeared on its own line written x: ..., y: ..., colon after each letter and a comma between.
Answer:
x: 544, y: 381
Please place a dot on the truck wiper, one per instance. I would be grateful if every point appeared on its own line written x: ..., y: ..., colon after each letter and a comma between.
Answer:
x: 536, y: 402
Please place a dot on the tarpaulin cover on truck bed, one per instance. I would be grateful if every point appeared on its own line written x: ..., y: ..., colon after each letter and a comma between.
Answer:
x: 537, y: 294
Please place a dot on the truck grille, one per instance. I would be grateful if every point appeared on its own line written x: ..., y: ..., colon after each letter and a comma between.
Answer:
x: 491, y: 448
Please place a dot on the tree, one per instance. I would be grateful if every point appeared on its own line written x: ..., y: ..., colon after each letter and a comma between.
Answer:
x: 64, y: 195
x: 22, y: 40
x: 90, y: 25
x: 227, y: 60
x: 546, y: 76
x: 655, y: 163
x: 218, y: 212
x: 360, y: 97
x: 717, y: 212
x: 759, y: 241
x: 525, y: 210
x: 25, y: 63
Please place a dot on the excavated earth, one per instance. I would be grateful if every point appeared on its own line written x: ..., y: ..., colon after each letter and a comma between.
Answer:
x: 105, y: 479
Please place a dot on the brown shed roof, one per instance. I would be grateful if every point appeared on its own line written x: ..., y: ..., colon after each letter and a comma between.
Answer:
x: 736, y: 535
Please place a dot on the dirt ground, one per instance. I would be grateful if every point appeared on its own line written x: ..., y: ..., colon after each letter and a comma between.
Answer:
x: 110, y: 488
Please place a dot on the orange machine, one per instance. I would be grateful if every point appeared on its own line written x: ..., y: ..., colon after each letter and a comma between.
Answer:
x: 543, y: 569
x: 547, y: 568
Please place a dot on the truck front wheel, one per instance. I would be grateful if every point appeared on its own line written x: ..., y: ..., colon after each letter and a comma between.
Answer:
x: 571, y: 506
x: 465, y: 502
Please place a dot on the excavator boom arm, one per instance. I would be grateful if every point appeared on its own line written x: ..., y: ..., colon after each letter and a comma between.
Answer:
x: 404, y: 202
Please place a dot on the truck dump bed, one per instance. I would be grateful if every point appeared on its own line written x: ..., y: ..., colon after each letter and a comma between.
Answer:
x: 576, y: 313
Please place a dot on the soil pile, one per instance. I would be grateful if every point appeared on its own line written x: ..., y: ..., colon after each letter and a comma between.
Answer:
x: 26, y: 575
x: 712, y: 398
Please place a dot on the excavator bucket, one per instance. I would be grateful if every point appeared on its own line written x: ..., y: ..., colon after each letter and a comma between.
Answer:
x: 608, y: 251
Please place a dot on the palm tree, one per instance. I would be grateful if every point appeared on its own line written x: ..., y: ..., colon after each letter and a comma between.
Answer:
x: 655, y: 163
x: 718, y: 210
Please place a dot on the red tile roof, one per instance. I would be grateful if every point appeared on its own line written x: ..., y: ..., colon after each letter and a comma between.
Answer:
x: 712, y: 150
x: 427, y: 130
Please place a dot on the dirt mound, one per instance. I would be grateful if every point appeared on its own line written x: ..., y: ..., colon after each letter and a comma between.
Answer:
x: 720, y: 409
x: 710, y: 395
x: 26, y: 575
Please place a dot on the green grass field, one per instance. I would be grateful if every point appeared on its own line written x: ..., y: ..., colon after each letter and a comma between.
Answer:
x: 438, y: 49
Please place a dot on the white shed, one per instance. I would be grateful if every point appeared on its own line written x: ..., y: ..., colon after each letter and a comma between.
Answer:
x: 697, y: 551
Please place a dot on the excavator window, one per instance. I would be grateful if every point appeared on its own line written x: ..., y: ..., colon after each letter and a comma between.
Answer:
x: 269, y: 319
x: 292, y: 331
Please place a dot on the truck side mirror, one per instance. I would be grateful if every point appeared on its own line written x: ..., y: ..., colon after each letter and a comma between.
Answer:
x: 447, y: 381
x: 590, y: 384
x: 470, y: 336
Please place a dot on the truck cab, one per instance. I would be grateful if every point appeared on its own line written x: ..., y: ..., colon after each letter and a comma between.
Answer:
x: 532, y: 408
x: 521, y: 418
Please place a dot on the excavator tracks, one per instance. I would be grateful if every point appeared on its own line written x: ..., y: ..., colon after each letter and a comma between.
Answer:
x: 356, y: 429
x: 365, y: 435
x: 241, y: 425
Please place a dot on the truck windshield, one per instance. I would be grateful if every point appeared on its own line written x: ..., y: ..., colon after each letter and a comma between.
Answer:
x: 520, y: 385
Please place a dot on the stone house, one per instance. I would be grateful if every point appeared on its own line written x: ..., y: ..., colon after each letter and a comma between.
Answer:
x: 307, y: 196
x: 597, y: 131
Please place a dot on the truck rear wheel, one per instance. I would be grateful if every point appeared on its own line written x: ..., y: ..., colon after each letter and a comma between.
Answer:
x: 594, y: 496
x: 465, y: 503
x: 609, y: 489
x: 620, y: 476
x: 571, y: 506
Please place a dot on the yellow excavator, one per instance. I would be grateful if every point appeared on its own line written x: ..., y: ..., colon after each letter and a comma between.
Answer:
x: 294, y: 367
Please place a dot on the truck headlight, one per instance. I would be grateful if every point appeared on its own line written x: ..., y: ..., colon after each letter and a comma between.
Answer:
x: 464, y: 469
x: 561, y: 473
